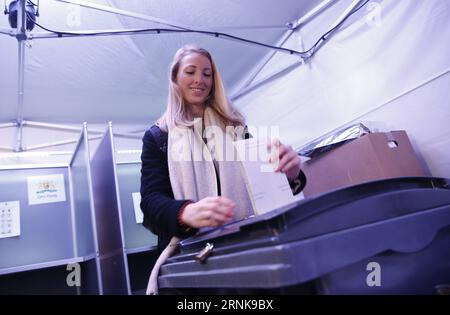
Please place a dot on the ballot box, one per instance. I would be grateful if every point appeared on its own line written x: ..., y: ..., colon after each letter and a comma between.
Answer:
x: 383, y: 237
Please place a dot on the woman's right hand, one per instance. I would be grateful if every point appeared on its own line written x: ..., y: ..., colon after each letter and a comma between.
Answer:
x: 210, y: 211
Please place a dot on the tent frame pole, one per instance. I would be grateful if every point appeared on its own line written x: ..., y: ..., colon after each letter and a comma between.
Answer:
x: 57, y: 143
x: 130, y: 135
x: 8, y: 125
x: 339, y: 20
x: 259, y: 66
x: 6, y: 31
x: 295, y: 25
x: 265, y: 81
x: 21, y: 37
x: 244, y: 86
x: 76, y: 129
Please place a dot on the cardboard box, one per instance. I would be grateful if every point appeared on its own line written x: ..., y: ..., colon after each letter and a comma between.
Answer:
x: 372, y: 157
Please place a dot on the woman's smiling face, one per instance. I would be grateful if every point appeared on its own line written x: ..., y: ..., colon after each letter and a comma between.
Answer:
x: 195, y: 78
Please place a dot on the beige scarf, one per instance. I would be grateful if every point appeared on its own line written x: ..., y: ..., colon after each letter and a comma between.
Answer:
x: 193, y: 166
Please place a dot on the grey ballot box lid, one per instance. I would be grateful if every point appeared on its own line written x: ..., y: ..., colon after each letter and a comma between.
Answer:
x: 316, y: 236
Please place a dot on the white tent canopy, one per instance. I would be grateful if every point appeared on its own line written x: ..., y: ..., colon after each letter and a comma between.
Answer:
x: 96, y: 78
x: 386, y: 66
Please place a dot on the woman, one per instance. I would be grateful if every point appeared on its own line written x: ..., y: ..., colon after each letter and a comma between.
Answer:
x: 180, y: 193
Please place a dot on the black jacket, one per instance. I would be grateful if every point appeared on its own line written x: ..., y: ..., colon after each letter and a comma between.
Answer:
x: 157, y: 202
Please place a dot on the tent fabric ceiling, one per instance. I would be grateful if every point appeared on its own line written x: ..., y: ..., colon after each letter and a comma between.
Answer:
x: 124, y: 78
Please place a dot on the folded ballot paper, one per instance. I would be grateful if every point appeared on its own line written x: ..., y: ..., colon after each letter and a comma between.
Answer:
x: 268, y: 189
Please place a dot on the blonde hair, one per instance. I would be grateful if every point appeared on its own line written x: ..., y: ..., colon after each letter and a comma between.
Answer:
x: 176, y: 112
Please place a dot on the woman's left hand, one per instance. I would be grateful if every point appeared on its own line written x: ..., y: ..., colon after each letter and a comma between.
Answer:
x: 285, y: 158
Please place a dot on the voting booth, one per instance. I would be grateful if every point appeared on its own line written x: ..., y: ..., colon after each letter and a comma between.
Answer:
x: 110, y: 257
x: 74, y: 229
x: 47, y: 239
x: 116, y: 188
x: 126, y: 250
x: 383, y: 237
x: 140, y: 245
